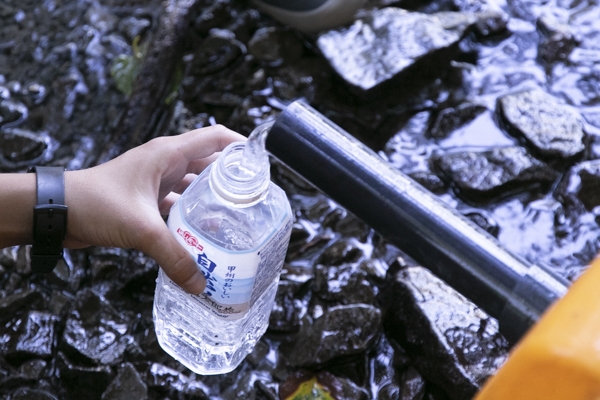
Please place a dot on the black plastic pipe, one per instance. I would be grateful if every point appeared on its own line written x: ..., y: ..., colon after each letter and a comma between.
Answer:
x: 466, y: 257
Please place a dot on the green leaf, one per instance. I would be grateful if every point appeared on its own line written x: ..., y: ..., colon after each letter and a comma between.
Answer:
x: 310, y: 390
x: 126, y: 67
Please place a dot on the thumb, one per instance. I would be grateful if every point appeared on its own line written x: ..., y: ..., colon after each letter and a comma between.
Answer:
x: 175, y: 261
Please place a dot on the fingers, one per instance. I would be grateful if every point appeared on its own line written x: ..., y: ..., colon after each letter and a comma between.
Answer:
x: 184, y: 183
x: 164, y: 207
x: 202, y: 143
x: 174, y: 260
x: 197, y: 166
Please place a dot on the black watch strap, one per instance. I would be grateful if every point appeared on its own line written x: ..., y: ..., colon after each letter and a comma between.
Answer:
x: 49, y: 218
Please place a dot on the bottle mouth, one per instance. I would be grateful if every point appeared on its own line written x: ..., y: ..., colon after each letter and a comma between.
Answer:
x: 241, y: 174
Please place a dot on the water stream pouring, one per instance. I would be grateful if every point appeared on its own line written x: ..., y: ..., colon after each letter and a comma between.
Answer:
x: 466, y: 257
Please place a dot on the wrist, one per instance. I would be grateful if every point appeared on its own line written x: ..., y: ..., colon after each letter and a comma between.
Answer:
x: 18, y: 199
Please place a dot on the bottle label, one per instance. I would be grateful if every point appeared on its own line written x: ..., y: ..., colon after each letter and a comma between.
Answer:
x: 234, y: 279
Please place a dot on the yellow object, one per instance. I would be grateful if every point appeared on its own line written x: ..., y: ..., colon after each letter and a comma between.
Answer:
x: 559, y: 358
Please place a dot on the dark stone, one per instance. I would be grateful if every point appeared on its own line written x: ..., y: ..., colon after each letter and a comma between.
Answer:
x: 340, y: 252
x: 580, y: 187
x: 8, y: 257
x: 285, y: 315
x: 344, y: 284
x: 253, y: 111
x: 132, y: 27
x: 552, y: 129
x: 28, y: 374
x: 450, y: 119
x: 390, y: 391
x: 413, y: 385
x: 94, y: 331
x: 12, y: 113
x: 19, y: 148
x: 32, y: 394
x: 429, y: 181
x: 127, y: 385
x: 346, y: 224
x: 13, y: 303
x: 35, y: 337
x: 215, y: 15
x: 165, y: 379
x: 68, y: 273
x: 83, y: 382
x: 33, y: 369
x: 451, y: 342
x: 273, y: 46
x: 484, y: 221
x: 481, y: 176
x: 387, y: 42
x: 146, y: 112
x: 338, y: 331
x: 215, y: 53
x: 558, y: 41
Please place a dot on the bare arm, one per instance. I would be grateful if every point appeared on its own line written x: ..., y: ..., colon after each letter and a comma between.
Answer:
x: 119, y: 203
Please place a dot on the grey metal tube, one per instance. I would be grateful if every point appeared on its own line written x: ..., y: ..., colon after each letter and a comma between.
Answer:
x: 407, y: 215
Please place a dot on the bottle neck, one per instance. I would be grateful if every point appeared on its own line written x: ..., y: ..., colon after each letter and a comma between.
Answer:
x: 240, y: 177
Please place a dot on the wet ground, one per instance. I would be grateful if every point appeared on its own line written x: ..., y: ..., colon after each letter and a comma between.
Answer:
x: 493, y: 107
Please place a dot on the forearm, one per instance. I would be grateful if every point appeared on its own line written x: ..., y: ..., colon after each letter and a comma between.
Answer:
x: 17, y: 199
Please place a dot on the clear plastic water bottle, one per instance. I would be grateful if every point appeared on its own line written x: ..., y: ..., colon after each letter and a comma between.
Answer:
x: 237, y: 225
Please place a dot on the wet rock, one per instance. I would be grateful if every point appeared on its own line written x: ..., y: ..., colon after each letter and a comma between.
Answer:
x: 13, y: 303
x: 252, y: 112
x: 101, y: 18
x: 344, y: 284
x: 450, y: 119
x: 12, y: 113
x: 580, y: 187
x: 345, y: 223
x: 27, y: 374
x: 94, y: 331
x: 491, y: 22
x: 34, y: 338
x: 340, y: 252
x: 68, y: 272
x: 559, y: 40
x: 146, y: 113
x: 215, y: 53
x: 127, y: 385
x: 165, y: 380
x: 413, y: 385
x: 59, y: 301
x: 83, y: 382
x: 134, y: 26
x: 19, y: 148
x: 429, y: 181
x: 484, y: 221
x: 33, y: 369
x: 338, y: 331
x: 32, y: 394
x: 452, y: 343
x: 285, y: 315
x: 387, y: 42
x: 35, y: 94
x: 273, y: 46
x: 552, y: 129
x: 215, y: 15
x: 481, y: 176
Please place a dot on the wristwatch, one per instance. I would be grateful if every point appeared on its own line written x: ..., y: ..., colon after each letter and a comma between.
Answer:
x: 49, y: 218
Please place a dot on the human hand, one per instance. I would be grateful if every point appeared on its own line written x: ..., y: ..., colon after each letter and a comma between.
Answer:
x: 119, y: 203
